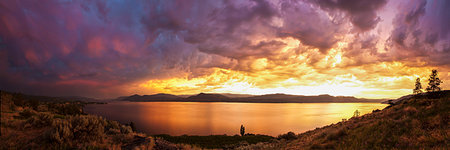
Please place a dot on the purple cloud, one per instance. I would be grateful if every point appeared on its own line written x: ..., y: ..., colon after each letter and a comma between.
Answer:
x: 95, y: 48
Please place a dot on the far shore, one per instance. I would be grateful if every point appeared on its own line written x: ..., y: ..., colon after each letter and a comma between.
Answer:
x: 269, y: 98
x: 206, y: 101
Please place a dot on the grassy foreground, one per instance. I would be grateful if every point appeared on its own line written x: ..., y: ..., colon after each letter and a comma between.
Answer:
x: 37, y: 122
x: 415, y: 122
x: 418, y: 122
x: 29, y: 122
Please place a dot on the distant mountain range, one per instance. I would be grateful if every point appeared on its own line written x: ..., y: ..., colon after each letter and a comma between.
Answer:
x: 269, y: 98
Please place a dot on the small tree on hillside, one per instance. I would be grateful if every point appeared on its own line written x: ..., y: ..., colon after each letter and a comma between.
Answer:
x: 242, y: 130
x: 434, y: 82
x: 418, y: 88
x: 356, y: 113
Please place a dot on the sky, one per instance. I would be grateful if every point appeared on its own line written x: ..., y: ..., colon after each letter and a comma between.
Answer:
x: 110, y: 48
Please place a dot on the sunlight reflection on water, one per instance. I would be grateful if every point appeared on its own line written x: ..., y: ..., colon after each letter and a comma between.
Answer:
x: 194, y: 118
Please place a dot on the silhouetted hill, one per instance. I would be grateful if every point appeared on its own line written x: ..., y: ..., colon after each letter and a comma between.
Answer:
x: 149, y: 98
x: 269, y: 98
x: 284, y: 98
x: 230, y: 95
x: 412, y: 122
x: 203, y: 97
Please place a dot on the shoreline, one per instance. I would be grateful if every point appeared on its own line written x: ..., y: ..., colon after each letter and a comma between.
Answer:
x: 244, y: 102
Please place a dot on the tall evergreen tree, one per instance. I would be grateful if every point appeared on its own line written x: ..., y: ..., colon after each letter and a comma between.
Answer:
x: 434, y: 82
x: 418, y: 88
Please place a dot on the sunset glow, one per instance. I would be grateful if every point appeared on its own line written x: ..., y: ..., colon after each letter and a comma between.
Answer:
x: 108, y: 49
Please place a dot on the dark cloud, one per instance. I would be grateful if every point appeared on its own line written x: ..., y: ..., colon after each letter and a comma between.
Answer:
x: 101, y: 44
x: 70, y: 45
x: 421, y: 33
x: 362, y: 13
x: 94, y: 48
x: 362, y: 50
x: 304, y: 22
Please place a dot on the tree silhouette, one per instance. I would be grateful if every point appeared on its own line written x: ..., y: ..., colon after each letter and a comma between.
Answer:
x: 434, y: 82
x: 242, y: 130
x: 356, y: 113
x: 418, y: 88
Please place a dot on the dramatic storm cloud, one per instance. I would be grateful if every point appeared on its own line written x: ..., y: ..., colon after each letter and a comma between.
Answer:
x: 364, y: 48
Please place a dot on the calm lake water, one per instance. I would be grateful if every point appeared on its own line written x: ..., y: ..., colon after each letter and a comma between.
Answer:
x: 194, y: 118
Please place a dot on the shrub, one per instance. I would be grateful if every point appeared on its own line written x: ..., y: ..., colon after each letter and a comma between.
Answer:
x: 40, y: 120
x: 125, y: 129
x: 61, y: 132
x: 65, y: 109
x: 87, y: 128
x: 78, y: 129
x: 27, y: 113
x: 113, y: 127
x: 288, y: 136
x: 132, y: 126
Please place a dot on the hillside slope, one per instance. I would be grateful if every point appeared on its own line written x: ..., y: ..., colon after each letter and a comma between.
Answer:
x: 39, y: 122
x: 420, y: 121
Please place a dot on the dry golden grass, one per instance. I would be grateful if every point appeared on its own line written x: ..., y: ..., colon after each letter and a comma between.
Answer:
x: 420, y: 122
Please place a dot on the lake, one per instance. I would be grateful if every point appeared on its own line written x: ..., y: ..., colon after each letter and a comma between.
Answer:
x: 206, y: 118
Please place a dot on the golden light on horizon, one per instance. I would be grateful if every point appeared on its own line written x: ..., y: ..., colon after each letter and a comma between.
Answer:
x: 393, y: 81
x: 299, y: 71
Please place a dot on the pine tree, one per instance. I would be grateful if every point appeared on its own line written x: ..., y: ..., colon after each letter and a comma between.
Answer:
x: 434, y: 82
x: 418, y: 88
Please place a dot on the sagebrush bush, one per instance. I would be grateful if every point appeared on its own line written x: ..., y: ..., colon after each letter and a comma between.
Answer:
x: 87, y: 128
x: 54, y: 124
x: 62, y: 132
x: 40, y: 120
x: 112, y: 125
x: 126, y: 129
x: 79, y: 129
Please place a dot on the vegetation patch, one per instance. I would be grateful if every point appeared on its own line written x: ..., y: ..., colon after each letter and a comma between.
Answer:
x: 419, y: 122
x: 216, y: 141
x: 37, y: 124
